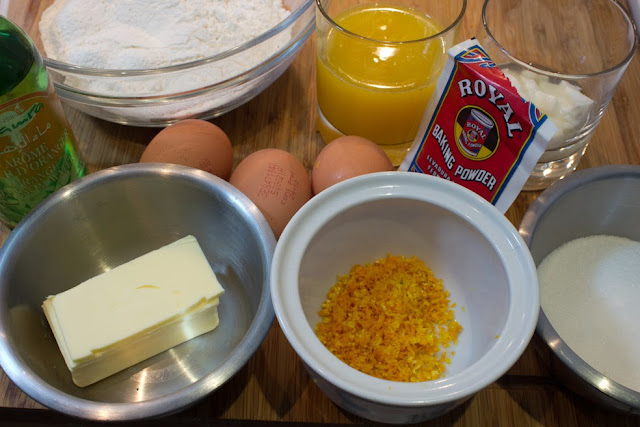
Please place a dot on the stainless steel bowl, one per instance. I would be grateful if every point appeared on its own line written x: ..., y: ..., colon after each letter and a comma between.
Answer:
x: 602, y: 200
x: 102, y: 221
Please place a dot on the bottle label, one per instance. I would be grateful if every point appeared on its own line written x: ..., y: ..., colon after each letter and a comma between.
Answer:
x: 37, y: 153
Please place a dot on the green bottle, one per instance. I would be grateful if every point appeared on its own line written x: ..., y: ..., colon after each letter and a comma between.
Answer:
x: 38, y: 153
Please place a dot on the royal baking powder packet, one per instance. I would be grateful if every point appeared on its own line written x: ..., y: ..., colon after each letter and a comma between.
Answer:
x: 477, y: 131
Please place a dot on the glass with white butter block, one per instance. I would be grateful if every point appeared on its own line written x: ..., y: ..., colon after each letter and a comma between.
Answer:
x: 567, y: 58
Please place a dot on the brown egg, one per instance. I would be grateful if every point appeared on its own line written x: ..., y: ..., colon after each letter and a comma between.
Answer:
x: 276, y: 182
x: 347, y: 157
x: 195, y: 143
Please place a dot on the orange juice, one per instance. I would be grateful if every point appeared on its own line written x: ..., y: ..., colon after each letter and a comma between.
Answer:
x: 375, y: 79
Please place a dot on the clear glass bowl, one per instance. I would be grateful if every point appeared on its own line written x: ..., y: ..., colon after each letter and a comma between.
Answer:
x: 204, y: 88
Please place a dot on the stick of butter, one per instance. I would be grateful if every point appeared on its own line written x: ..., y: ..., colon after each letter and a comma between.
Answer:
x: 135, y: 311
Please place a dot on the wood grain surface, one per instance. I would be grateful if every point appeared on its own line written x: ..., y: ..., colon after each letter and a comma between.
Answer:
x: 274, y: 386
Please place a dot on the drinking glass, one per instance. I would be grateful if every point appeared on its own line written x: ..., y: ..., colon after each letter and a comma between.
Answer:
x: 567, y: 57
x: 377, y: 65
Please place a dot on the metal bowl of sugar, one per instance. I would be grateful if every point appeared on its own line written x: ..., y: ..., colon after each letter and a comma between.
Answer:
x: 195, y: 59
x: 102, y: 221
x: 584, y: 238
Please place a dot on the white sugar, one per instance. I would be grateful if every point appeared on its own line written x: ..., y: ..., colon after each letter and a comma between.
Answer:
x: 590, y: 292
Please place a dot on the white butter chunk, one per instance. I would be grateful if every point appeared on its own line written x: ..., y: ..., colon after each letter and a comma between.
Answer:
x: 135, y: 310
x: 563, y: 102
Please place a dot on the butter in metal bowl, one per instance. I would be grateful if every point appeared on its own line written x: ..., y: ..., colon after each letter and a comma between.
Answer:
x: 134, y: 311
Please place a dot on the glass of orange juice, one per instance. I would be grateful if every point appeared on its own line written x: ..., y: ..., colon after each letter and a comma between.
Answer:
x: 377, y: 65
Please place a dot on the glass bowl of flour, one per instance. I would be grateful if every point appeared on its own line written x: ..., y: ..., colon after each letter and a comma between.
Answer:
x: 153, y: 63
x: 584, y: 237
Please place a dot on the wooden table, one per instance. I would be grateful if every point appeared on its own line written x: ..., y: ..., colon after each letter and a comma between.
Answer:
x: 274, y: 386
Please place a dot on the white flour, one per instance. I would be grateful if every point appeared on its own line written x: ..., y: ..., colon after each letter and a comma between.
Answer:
x: 590, y: 292
x: 138, y: 34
